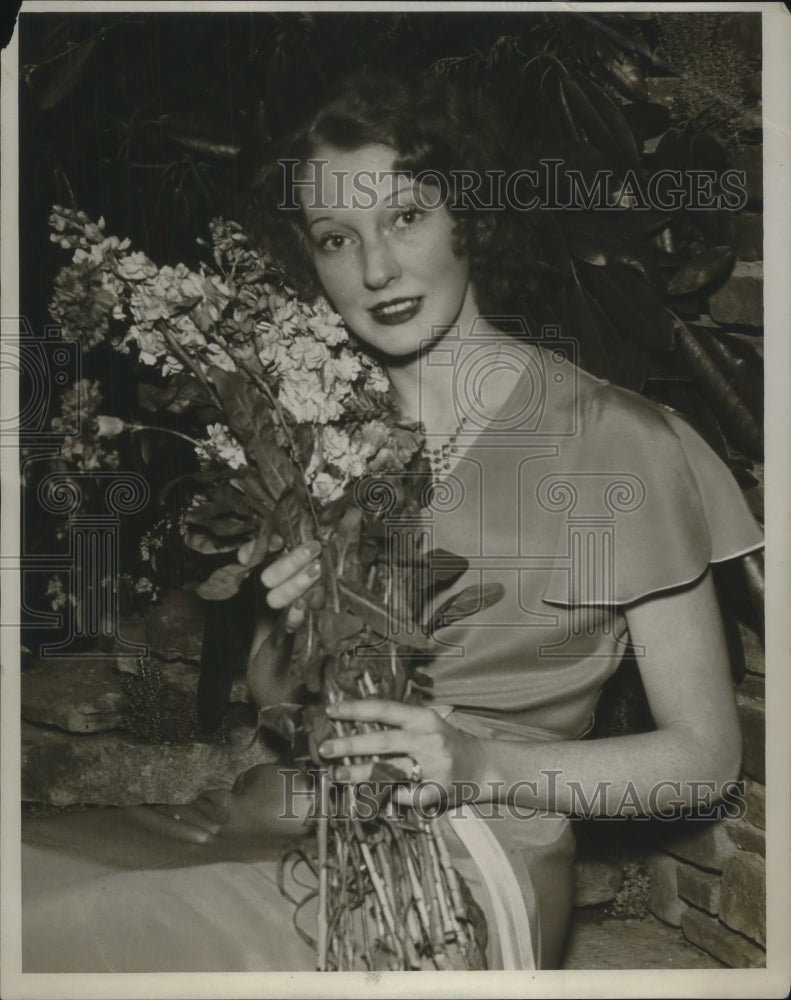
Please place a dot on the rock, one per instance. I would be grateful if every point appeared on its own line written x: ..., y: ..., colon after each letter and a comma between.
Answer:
x: 611, y: 943
x: 663, y: 898
x: 752, y: 686
x: 740, y: 300
x: 64, y: 769
x: 743, y: 29
x: 174, y: 627
x: 183, y: 675
x: 703, y: 843
x: 662, y: 90
x: 752, y: 717
x: 731, y: 949
x: 754, y: 657
x: 700, y: 889
x: 755, y: 801
x: 78, y: 695
x: 746, y: 836
x: 596, y: 882
x: 749, y: 159
x: 748, y: 235
x: 743, y: 900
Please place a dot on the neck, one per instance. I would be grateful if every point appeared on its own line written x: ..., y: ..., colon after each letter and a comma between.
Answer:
x: 426, y: 388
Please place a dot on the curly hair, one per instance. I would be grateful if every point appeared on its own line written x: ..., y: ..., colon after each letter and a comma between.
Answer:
x: 434, y: 124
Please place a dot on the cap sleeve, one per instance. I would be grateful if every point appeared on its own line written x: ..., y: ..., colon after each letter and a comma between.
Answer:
x: 660, y: 505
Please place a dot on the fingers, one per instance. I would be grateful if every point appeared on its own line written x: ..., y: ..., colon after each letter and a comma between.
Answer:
x: 391, y: 713
x: 214, y: 805
x: 367, y: 772
x: 178, y: 823
x: 295, y: 616
x: 245, y: 551
x: 290, y: 576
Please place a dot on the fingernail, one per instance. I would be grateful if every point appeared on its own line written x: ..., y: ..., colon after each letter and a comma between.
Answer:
x: 327, y: 749
x: 331, y: 710
x: 340, y: 774
x: 313, y: 548
x: 299, y: 604
x: 314, y: 569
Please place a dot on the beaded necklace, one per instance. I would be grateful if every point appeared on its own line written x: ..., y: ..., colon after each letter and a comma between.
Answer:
x: 439, y: 456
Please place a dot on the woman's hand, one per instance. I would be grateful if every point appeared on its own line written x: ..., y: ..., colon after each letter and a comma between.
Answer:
x: 419, y: 743
x: 289, y: 578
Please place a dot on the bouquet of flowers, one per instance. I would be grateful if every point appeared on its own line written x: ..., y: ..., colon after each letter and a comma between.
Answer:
x: 299, y: 439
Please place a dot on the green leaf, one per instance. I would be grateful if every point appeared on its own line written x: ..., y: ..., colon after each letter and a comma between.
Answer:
x: 706, y: 269
x: 467, y: 602
x: 223, y: 583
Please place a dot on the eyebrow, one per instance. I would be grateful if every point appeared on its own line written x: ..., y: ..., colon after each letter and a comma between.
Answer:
x: 388, y: 203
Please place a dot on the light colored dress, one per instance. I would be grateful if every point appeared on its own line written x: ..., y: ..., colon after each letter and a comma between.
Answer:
x: 579, y: 498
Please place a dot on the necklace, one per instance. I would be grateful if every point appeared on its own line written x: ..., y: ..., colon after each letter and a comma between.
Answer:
x: 439, y: 457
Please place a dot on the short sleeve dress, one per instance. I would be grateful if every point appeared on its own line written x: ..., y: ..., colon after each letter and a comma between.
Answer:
x: 579, y: 498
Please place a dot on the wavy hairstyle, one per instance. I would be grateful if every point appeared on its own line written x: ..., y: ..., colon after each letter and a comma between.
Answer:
x: 434, y: 124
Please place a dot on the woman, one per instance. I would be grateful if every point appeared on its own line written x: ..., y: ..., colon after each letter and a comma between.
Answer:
x: 597, y: 511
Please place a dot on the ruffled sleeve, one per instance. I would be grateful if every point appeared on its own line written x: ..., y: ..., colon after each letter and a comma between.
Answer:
x: 652, y: 505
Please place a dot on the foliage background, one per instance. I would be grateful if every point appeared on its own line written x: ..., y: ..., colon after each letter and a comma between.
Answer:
x: 156, y: 122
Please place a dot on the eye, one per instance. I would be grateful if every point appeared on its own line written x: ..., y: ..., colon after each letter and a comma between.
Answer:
x: 332, y: 242
x: 408, y: 217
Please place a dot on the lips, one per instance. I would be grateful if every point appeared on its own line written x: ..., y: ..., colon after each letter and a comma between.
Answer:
x: 396, y: 311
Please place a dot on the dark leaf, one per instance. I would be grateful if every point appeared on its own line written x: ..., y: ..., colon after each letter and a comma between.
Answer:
x: 205, y: 544
x: 281, y: 719
x: 632, y: 305
x: 335, y: 626
x: 467, y: 602
x: 249, y: 416
x: 68, y: 75
x: 445, y: 567
x: 196, y: 479
x: 604, y: 124
x: 223, y: 583
x: 177, y: 395
x: 706, y: 269
x: 672, y: 153
x: 626, y: 75
x: 705, y: 153
x: 379, y: 619
x: 685, y: 398
x: 646, y: 120
x: 734, y: 416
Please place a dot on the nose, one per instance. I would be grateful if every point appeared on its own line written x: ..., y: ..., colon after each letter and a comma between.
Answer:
x: 380, y: 265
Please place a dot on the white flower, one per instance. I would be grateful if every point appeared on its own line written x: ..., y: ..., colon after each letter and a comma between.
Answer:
x: 325, y: 488
x: 221, y: 446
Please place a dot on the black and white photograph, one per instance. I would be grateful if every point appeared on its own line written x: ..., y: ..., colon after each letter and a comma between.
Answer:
x: 395, y: 500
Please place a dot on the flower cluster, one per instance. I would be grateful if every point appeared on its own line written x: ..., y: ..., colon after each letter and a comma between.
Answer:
x: 239, y: 316
x: 79, y: 423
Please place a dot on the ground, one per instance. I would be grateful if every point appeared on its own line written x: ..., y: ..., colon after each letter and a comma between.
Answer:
x: 600, y: 941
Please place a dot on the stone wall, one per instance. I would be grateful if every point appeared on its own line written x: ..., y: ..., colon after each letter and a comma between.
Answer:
x: 709, y: 878
x: 83, y: 741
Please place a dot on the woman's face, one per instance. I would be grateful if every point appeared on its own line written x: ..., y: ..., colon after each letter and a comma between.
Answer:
x: 383, y: 255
